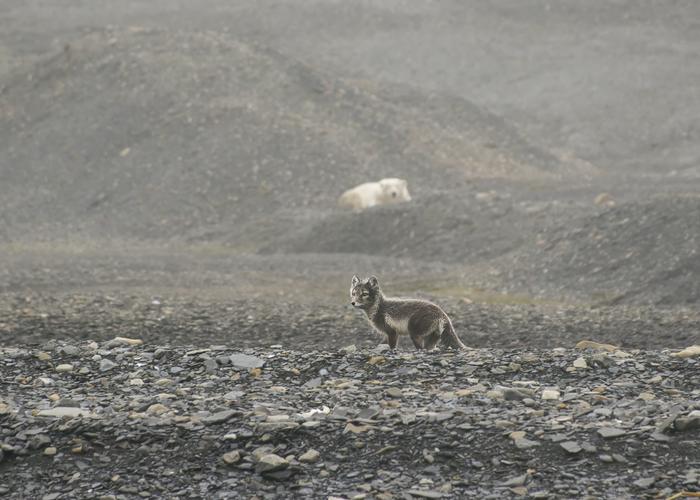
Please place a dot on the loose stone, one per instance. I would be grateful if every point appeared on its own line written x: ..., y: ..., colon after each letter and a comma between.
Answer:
x: 571, y: 446
x: 270, y: 463
x: 232, y: 457
x: 311, y: 456
x: 611, y: 432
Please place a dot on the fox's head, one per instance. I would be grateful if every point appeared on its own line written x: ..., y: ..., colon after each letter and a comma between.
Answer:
x: 364, y: 293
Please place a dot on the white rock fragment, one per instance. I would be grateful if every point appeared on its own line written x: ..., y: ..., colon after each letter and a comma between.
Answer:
x: 106, y: 365
x: 596, y: 346
x: 350, y: 349
x: 550, y: 394
x: 580, y: 362
x: 128, y: 341
x: 157, y: 409
x: 689, y: 352
x: 232, y: 457
x: 310, y: 457
x: 65, y: 412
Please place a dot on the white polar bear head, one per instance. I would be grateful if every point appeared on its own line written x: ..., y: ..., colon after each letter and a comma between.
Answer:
x: 394, y: 190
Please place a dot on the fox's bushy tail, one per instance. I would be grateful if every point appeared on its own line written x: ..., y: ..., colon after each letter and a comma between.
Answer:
x: 449, y: 338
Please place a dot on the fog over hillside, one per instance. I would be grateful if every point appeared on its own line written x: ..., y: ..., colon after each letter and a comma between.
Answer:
x: 242, y: 126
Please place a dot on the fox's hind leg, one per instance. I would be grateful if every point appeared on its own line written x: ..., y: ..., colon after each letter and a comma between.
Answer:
x: 423, y: 331
x: 417, y: 341
x: 431, y: 340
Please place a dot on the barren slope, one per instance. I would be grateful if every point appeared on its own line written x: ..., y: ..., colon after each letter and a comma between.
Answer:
x: 155, y: 133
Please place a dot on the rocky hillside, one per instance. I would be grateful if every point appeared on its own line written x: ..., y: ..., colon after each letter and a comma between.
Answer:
x: 154, y: 133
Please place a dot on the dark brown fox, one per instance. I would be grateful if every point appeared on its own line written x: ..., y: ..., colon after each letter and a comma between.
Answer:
x: 426, y: 323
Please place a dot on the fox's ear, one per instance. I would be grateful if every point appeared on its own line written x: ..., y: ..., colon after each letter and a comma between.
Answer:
x: 373, y: 282
x: 355, y: 280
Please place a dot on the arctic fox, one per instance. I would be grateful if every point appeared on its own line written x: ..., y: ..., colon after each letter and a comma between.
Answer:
x: 369, y: 194
x: 421, y: 320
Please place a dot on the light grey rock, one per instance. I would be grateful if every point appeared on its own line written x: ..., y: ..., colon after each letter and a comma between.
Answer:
x: 645, y: 482
x: 588, y: 447
x: 394, y: 392
x: 660, y: 436
x: 525, y: 444
x: 350, y: 349
x: 232, y: 457
x: 65, y: 412
x: 426, y: 493
x: 270, y: 463
x: 571, y: 446
x: 580, y: 363
x: 311, y: 456
x: 219, y: 417
x: 550, y: 395
x: 276, y: 426
x: 691, y: 421
x: 106, y: 365
x: 516, y: 481
x: 69, y: 350
x: 261, y: 451
x: 246, y: 361
x: 233, y: 395
x: 611, y: 432
x: 122, y: 342
x: 514, y: 394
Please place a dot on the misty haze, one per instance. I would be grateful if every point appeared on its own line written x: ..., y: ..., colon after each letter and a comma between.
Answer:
x: 349, y: 250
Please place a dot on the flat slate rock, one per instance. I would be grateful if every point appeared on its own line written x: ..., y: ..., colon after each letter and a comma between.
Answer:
x: 219, y: 417
x: 271, y: 463
x: 425, y: 493
x: 611, y: 432
x: 66, y: 412
x: 246, y: 361
x: 571, y: 446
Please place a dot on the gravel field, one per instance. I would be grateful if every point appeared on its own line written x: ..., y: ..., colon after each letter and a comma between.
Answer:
x: 118, y: 420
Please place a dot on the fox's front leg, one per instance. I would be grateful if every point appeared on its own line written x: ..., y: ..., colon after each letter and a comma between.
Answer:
x: 392, y: 338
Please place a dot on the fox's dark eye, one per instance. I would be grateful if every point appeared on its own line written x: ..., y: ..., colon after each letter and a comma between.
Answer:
x: 365, y: 294
x: 394, y: 194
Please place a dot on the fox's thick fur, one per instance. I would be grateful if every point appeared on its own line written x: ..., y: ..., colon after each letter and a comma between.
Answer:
x: 369, y: 194
x: 425, y: 322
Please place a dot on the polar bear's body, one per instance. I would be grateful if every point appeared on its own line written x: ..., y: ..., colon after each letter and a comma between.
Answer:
x: 369, y: 194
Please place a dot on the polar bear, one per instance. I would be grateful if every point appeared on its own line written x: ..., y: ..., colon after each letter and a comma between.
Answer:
x: 369, y: 194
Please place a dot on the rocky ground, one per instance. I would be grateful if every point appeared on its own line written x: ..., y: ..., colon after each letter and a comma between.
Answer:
x: 121, y: 419
x: 259, y: 323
